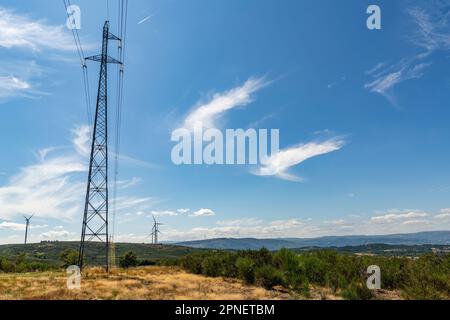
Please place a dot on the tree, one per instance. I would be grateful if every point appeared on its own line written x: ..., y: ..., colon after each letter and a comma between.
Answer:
x: 129, y: 260
x: 68, y: 257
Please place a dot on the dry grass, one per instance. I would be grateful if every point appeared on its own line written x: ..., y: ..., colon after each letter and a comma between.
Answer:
x: 150, y: 283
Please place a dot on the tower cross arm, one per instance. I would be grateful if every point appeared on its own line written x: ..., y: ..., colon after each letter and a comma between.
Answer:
x: 113, y: 37
x: 99, y: 57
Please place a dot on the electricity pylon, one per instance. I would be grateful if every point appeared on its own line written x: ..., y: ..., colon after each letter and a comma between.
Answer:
x: 26, y: 226
x: 95, y: 220
x: 112, y: 253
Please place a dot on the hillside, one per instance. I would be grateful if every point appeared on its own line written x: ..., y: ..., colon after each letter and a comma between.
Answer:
x: 412, y: 239
x: 49, y: 251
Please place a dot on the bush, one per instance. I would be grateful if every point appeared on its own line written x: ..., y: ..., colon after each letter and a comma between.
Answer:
x: 192, y: 263
x: 269, y: 277
x: 68, y: 258
x: 212, y: 266
x: 246, y: 270
x: 129, y: 260
x: 146, y: 263
x: 425, y: 278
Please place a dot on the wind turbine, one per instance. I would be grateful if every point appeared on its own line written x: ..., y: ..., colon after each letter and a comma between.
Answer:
x: 27, y: 225
x: 155, y: 231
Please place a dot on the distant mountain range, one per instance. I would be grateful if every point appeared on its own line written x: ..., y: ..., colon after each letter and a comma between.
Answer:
x: 422, y: 238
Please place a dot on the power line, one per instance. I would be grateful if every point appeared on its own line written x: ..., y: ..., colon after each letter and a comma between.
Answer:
x: 122, y: 27
x: 81, y: 55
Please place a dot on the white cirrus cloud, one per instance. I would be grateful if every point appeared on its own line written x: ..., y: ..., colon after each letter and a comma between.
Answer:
x: 165, y: 213
x: 20, y: 31
x: 206, y: 114
x: 45, y: 188
x: 388, y: 78
x: 431, y: 33
x: 19, y: 226
x: 12, y: 86
x: 55, y: 186
x: 432, y: 26
x: 55, y: 234
x: 81, y: 140
x: 443, y: 215
x: 393, y: 217
x: 203, y: 213
x: 279, y: 164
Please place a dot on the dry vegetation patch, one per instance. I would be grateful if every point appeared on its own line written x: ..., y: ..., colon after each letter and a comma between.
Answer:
x: 146, y: 283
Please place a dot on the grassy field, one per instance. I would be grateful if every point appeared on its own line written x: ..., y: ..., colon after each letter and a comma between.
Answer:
x: 149, y: 283
x: 144, y: 283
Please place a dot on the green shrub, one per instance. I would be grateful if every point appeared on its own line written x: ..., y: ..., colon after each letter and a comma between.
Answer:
x: 129, y: 260
x: 68, y: 258
x: 269, y: 277
x: 246, y: 270
x: 425, y: 278
x: 192, y: 263
x: 212, y: 266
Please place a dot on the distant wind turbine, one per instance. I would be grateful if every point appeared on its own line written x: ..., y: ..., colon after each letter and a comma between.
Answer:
x: 27, y: 225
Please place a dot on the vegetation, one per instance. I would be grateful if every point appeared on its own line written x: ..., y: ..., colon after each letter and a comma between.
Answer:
x: 427, y: 277
x: 141, y: 283
x: 49, y: 252
x: 129, y: 260
x: 297, y: 272
x: 69, y: 257
x: 21, y: 263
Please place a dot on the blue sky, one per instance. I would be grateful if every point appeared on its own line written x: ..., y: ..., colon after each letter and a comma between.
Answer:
x: 381, y: 96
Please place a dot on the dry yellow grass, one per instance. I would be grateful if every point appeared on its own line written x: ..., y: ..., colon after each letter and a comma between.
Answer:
x: 149, y: 283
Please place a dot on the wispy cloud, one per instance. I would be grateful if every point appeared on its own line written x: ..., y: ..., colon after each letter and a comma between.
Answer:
x: 19, y: 226
x: 81, y: 139
x: 56, y: 233
x: 203, y: 213
x: 206, y: 114
x: 386, y: 79
x: 432, y: 22
x: 183, y: 212
x: 165, y: 213
x: 19, y: 79
x: 395, y: 216
x: 431, y: 33
x: 21, y: 31
x: 45, y: 188
x: 443, y: 215
x: 279, y: 164
x: 54, y: 187
x: 11, y: 86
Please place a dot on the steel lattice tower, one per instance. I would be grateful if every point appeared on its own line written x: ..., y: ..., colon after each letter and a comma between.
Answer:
x: 95, y: 221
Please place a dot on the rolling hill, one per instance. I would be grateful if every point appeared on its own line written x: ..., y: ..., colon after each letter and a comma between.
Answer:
x: 49, y: 251
x: 422, y: 238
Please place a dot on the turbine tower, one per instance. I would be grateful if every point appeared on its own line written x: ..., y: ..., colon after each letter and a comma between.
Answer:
x: 155, y: 231
x: 27, y: 226
x: 95, y: 220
